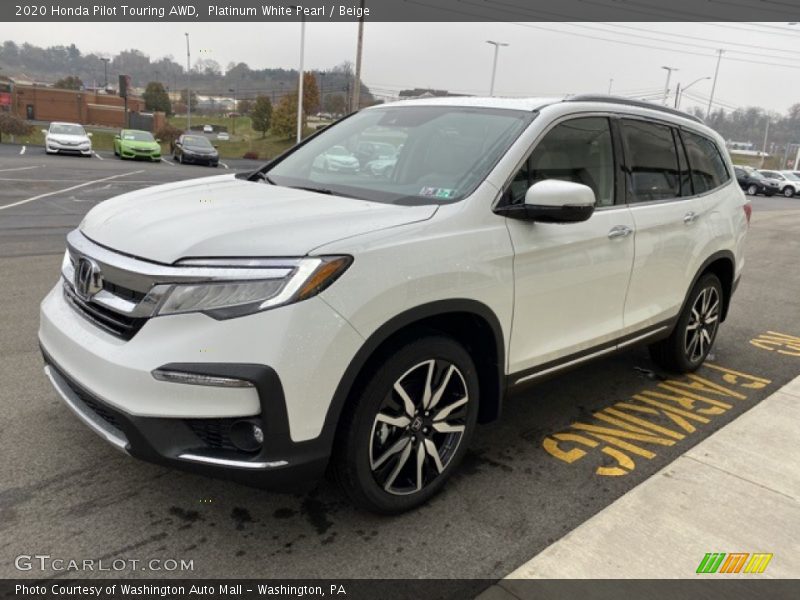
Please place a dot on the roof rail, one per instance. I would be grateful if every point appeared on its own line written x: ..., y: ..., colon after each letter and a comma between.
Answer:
x: 631, y: 102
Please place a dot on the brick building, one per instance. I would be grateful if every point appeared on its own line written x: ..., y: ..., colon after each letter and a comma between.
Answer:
x: 40, y: 103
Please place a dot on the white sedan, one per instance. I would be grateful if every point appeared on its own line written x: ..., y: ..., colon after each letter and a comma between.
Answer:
x: 68, y: 138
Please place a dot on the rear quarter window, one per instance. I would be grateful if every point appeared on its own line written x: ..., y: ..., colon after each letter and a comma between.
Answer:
x: 708, y: 169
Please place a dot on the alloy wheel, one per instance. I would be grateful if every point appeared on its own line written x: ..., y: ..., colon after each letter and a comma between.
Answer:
x: 419, y: 427
x: 702, y: 326
x: 752, y: 190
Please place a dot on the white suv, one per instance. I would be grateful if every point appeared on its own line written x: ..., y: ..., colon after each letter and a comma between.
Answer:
x: 268, y: 325
x: 789, y: 182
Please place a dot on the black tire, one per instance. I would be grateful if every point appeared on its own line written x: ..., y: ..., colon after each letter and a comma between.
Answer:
x: 698, y: 323
x: 377, y: 463
x: 752, y: 189
x: 788, y: 191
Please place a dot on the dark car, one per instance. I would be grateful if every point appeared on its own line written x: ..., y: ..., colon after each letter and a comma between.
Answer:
x: 195, y: 149
x: 753, y: 182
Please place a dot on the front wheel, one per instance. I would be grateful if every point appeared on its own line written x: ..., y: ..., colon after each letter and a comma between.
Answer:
x: 788, y: 191
x: 402, y: 437
x: 694, y: 334
x: 752, y: 190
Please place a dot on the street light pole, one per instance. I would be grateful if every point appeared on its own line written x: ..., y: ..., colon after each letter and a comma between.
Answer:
x: 669, y: 71
x: 679, y: 91
x: 610, y: 83
x: 105, y: 70
x: 494, y: 64
x: 188, y: 86
x: 714, y: 85
x: 359, y: 50
x: 300, y: 83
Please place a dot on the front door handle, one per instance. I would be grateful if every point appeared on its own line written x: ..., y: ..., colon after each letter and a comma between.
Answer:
x: 690, y: 217
x: 619, y: 231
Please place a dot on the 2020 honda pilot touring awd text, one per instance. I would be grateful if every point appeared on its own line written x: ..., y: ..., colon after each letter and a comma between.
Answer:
x: 270, y: 325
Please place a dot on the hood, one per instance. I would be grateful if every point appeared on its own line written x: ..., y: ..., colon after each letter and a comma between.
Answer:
x: 224, y: 216
x: 139, y: 145
x: 63, y: 138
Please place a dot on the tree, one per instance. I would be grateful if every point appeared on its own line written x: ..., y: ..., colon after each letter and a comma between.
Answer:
x: 13, y: 125
x: 194, y: 99
x: 310, y: 94
x: 284, y: 117
x: 70, y: 82
x: 244, y: 106
x: 261, y: 116
x: 335, y: 104
x: 156, y: 98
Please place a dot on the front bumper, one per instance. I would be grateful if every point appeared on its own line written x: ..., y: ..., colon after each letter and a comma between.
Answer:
x: 140, y: 154
x: 294, y: 356
x: 200, y: 159
x: 179, y: 443
x: 84, y: 150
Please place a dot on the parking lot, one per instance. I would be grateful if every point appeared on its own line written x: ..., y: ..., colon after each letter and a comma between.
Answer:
x: 68, y: 494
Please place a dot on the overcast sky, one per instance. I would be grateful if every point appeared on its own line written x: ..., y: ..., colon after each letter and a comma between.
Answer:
x: 542, y: 59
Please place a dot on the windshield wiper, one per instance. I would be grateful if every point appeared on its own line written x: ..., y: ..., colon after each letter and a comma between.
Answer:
x: 314, y: 189
x: 269, y: 179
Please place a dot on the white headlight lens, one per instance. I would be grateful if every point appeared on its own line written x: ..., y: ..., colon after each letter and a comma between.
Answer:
x: 209, y: 297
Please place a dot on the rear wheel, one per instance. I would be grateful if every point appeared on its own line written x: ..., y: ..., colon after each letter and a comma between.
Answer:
x: 752, y: 189
x: 694, y: 334
x: 401, y: 439
x: 788, y: 191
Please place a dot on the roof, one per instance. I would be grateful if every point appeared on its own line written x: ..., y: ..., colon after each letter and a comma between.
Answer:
x: 478, y: 102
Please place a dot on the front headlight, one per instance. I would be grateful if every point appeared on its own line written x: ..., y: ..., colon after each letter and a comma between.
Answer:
x: 230, y: 296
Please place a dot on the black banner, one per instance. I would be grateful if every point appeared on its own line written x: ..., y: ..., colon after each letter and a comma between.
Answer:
x: 714, y: 587
x: 400, y: 10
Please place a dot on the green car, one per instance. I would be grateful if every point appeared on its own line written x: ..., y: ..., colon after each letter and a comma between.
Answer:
x: 132, y: 143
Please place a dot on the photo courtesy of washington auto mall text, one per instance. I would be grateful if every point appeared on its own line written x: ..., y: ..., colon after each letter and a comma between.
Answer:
x: 399, y: 299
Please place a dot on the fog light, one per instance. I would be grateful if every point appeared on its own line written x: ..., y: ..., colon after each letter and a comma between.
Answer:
x: 198, y: 379
x: 247, y: 435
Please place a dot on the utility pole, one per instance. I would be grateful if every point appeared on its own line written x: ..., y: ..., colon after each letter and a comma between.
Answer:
x: 677, y: 94
x: 300, y: 81
x: 714, y: 85
x: 766, y: 136
x: 494, y: 64
x: 188, y: 87
x: 234, y: 116
x: 105, y: 70
x: 669, y: 71
x: 610, y: 83
x: 359, y: 48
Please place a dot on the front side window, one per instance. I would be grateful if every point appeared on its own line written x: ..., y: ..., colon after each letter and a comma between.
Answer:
x: 578, y: 150
x: 652, y: 157
x: 708, y: 167
x: 406, y: 155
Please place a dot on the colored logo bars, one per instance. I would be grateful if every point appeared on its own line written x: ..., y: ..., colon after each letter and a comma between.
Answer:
x: 720, y: 562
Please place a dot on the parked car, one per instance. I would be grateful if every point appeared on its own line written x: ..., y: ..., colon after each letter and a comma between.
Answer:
x: 133, y: 143
x: 336, y: 158
x: 68, y: 138
x: 788, y: 182
x: 753, y: 182
x: 208, y: 129
x: 369, y: 324
x: 223, y: 135
x: 195, y: 149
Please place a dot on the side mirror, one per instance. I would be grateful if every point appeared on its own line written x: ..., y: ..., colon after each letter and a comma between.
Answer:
x: 554, y: 201
x: 90, y: 134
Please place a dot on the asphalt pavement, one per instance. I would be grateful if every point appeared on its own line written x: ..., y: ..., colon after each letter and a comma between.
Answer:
x: 66, y: 493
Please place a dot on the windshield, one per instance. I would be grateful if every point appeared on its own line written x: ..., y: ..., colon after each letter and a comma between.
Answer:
x: 137, y: 136
x: 197, y: 140
x: 408, y: 155
x: 792, y: 176
x: 65, y: 129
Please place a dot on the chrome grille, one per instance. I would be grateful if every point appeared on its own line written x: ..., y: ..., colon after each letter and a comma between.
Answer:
x: 114, y: 323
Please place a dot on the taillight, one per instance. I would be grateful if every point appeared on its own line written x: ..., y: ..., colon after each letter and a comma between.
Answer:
x: 748, y: 210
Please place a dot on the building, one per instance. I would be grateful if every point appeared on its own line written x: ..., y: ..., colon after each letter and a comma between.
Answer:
x: 36, y: 102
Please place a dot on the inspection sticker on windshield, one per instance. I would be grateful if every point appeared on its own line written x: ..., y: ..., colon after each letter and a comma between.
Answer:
x: 433, y: 192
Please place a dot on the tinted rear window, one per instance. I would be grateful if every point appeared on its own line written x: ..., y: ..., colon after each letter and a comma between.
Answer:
x: 708, y: 167
x: 654, y: 173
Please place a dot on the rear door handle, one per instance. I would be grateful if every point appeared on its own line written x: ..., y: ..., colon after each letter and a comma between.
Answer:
x: 690, y: 217
x: 619, y: 231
